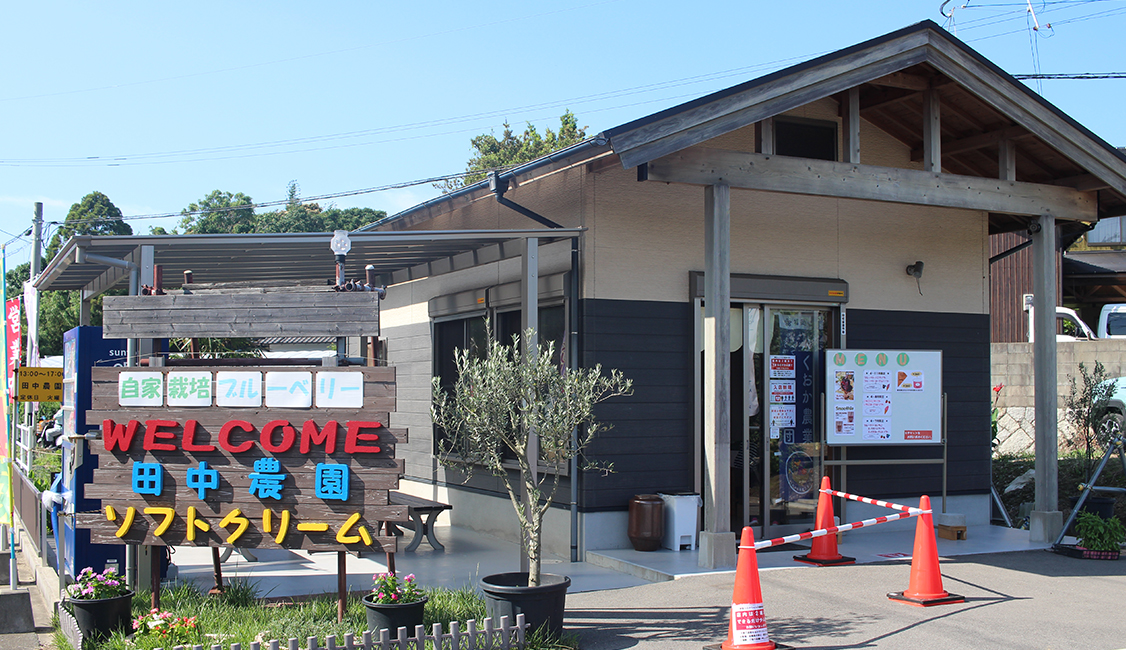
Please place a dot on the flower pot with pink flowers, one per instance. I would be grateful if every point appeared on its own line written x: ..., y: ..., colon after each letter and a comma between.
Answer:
x: 394, y: 602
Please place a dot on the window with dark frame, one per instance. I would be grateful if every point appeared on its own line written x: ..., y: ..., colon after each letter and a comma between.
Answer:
x: 470, y: 333
x: 803, y: 138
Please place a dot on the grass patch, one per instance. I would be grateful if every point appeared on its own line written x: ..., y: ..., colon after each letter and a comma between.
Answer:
x: 240, y: 615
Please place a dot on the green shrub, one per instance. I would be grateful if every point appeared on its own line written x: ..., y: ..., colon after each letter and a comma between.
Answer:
x: 1098, y: 534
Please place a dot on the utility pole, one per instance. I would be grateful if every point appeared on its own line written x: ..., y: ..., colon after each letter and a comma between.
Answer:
x: 37, y: 241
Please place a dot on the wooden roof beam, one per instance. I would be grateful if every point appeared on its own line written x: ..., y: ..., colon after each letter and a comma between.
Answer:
x: 702, y: 166
x: 1082, y: 182
x: 974, y: 142
x: 903, y: 80
x: 876, y: 99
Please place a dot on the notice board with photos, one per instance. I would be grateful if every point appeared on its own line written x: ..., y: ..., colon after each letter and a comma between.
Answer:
x: 883, y: 397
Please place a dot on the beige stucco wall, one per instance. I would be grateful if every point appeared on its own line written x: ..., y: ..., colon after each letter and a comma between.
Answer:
x: 647, y: 237
x: 642, y: 241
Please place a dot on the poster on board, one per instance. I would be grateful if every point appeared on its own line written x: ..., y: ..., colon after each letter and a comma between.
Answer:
x: 883, y: 397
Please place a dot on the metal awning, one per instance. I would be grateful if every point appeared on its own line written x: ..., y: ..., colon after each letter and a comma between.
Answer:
x: 299, y: 257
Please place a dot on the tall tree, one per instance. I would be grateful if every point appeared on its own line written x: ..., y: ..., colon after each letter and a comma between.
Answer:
x: 511, y: 150
x: 95, y: 214
x: 219, y: 213
x: 310, y: 217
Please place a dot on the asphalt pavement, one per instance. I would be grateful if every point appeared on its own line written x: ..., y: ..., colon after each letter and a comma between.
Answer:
x: 1028, y: 600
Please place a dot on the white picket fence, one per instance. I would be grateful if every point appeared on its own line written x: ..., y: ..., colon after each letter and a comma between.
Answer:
x: 490, y: 637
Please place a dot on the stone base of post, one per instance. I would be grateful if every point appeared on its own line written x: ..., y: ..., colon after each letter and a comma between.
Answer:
x: 717, y: 550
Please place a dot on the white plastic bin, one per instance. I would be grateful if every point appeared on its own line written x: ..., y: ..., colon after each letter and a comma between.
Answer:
x: 681, y: 520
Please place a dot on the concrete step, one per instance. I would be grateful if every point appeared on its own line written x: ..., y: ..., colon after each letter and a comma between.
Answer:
x: 622, y: 565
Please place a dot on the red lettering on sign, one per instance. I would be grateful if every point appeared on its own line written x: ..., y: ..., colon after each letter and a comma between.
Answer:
x: 326, y: 436
x: 351, y: 442
x: 289, y: 434
x: 225, y: 436
x: 118, y: 435
x: 913, y: 434
x: 157, y: 429
x: 189, y: 438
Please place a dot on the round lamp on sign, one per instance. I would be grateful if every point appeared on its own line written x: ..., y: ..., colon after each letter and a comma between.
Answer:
x: 340, y: 245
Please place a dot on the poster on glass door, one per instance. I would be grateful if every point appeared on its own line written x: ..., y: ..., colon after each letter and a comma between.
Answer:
x: 884, y: 397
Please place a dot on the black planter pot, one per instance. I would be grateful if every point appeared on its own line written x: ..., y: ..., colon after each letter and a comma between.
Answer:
x: 1101, y: 506
x: 99, y: 618
x: 507, y: 594
x: 392, y: 617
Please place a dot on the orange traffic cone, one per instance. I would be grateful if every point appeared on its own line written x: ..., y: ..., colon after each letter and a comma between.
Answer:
x: 824, y: 550
x: 925, y: 588
x: 747, y: 630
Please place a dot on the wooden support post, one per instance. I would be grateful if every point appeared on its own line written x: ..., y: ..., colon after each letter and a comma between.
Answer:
x: 390, y: 527
x: 932, y: 132
x: 1046, y: 520
x: 717, y: 542
x: 155, y: 553
x: 341, y: 585
x: 850, y: 112
x: 1007, y: 160
x: 764, y: 136
x: 216, y: 563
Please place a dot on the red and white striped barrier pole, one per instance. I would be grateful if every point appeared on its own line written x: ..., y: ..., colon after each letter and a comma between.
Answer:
x: 832, y: 530
x: 874, y: 502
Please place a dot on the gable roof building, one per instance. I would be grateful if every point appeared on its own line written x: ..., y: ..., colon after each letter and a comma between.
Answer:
x: 791, y: 202
x: 715, y: 251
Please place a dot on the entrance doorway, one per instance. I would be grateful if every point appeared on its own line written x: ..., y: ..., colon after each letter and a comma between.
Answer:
x: 777, y: 357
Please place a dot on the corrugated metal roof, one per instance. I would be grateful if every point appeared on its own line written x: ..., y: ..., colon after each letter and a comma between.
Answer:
x: 396, y: 256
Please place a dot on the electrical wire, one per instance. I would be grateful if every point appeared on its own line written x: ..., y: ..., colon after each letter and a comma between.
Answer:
x: 464, y: 28
x: 279, y: 202
x: 212, y: 153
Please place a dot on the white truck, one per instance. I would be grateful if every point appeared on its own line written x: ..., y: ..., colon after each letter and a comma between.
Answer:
x: 1112, y: 321
x: 1072, y: 327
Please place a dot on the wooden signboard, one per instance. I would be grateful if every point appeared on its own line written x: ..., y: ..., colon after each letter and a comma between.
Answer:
x: 323, y: 313
x: 247, y: 457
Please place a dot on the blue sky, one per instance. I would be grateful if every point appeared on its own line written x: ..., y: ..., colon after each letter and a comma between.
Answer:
x: 158, y: 104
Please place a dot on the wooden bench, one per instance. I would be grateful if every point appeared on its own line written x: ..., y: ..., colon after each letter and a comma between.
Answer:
x: 417, y: 507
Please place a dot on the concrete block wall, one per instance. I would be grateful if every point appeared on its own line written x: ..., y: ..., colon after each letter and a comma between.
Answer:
x: 1012, y: 366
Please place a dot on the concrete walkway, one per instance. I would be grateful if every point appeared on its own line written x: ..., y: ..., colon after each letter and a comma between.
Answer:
x: 1018, y: 595
x: 1029, y: 600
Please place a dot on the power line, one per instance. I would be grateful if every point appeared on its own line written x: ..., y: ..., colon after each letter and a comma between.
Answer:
x: 1076, y: 75
x: 310, y: 56
x: 269, y: 204
x: 215, y: 153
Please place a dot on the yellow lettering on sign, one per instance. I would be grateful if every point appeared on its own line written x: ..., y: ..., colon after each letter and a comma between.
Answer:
x: 235, y: 517
x: 128, y: 523
x: 111, y: 514
x: 312, y: 527
x: 267, y: 520
x: 194, y: 523
x: 283, y: 527
x: 342, y: 535
x: 366, y: 537
x: 168, y: 513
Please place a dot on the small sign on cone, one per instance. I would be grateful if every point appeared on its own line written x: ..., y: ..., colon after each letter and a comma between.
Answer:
x: 925, y: 588
x: 747, y: 629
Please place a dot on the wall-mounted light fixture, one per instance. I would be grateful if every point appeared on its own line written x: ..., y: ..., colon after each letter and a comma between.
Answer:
x: 916, y: 271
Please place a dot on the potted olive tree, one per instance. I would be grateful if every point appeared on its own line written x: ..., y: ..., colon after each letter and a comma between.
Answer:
x: 504, y: 405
